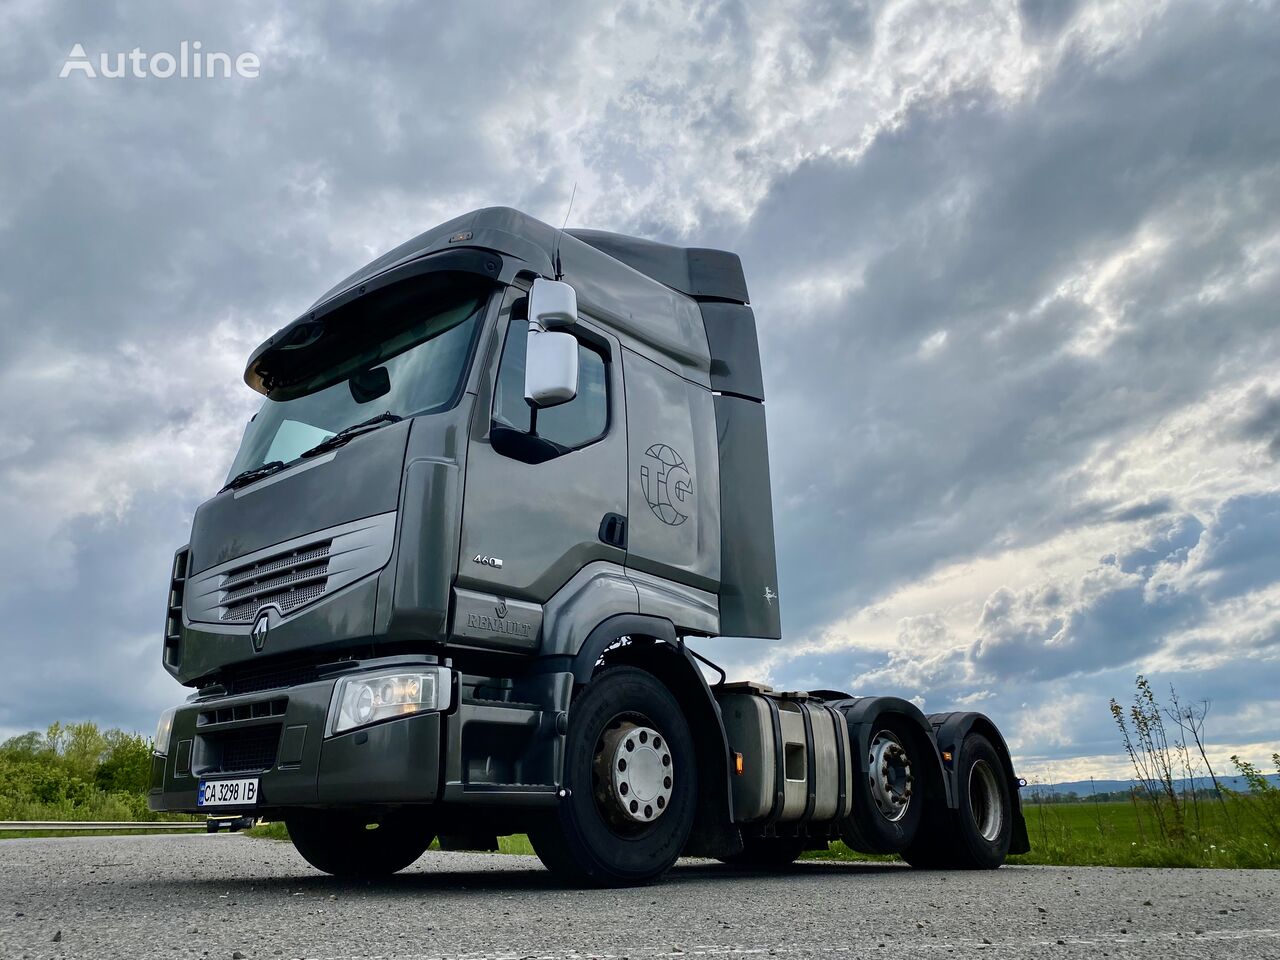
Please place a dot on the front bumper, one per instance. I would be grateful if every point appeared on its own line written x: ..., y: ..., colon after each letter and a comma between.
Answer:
x: 279, y: 737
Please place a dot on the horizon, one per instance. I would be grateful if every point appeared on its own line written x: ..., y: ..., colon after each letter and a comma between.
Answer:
x: 1015, y: 268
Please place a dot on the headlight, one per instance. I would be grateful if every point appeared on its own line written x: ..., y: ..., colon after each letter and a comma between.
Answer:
x: 369, y: 697
x: 164, y: 729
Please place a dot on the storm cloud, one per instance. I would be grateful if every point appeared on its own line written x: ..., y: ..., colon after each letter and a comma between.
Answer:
x: 1015, y: 264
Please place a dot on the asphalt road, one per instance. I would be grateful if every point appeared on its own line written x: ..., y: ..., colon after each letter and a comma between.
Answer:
x: 229, y: 897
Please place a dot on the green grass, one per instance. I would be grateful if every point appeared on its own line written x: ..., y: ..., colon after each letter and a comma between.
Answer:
x: 42, y: 834
x: 268, y: 831
x: 1125, y: 835
x: 1122, y: 835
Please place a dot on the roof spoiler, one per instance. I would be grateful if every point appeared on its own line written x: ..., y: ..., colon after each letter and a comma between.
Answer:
x: 696, y: 272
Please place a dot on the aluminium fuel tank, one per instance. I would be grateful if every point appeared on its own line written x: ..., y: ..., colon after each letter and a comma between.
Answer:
x: 796, y: 762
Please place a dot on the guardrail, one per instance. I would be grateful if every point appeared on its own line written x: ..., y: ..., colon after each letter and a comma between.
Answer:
x: 101, y: 825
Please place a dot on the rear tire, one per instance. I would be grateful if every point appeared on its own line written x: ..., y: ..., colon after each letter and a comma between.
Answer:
x: 976, y: 836
x: 887, y: 808
x: 344, y: 843
x: 621, y: 824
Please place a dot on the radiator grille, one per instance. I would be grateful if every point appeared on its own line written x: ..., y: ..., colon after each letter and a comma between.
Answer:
x: 272, y: 679
x: 287, y: 580
x: 242, y: 751
x: 243, y: 711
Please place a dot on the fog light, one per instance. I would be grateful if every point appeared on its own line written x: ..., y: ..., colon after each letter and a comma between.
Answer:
x: 368, y: 698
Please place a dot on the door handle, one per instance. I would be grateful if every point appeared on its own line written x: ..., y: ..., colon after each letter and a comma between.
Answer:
x: 613, y: 530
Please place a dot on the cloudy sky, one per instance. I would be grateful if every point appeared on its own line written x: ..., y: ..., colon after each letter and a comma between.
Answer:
x: 1016, y: 267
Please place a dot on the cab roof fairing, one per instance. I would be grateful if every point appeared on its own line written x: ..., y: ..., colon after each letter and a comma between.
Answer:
x: 654, y: 297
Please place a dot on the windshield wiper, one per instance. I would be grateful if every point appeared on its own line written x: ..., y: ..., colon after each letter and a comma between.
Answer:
x: 346, y: 433
x: 248, y: 476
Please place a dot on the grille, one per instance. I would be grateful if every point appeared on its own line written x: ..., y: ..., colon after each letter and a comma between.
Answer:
x: 272, y: 679
x: 244, y: 750
x: 287, y: 580
x: 173, y: 616
x: 243, y: 711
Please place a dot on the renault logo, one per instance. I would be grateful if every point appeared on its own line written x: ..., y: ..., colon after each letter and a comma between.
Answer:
x: 261, y: 627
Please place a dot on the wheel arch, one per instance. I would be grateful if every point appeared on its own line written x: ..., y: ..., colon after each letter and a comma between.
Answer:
x: 950, y: 731
x: 861, y: 714
x: 655, y: 648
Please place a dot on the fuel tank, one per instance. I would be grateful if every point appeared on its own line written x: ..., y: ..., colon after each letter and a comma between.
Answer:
x: 795, y: 753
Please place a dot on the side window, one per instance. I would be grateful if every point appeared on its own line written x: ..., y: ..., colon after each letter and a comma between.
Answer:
x: 554, y: 430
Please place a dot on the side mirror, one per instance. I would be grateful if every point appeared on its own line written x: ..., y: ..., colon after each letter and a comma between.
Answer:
x: 551, y: 359
x: 553, y: 305
x: 550, y: 368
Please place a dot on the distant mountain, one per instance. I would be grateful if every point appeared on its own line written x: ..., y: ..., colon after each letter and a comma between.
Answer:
x: 1086, y: 788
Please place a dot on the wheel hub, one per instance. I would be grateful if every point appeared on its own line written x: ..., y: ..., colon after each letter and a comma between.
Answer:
x: 889, y: 775
x: 984, y: 801
x: 634, y: 773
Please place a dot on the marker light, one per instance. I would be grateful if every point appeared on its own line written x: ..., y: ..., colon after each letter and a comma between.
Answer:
x: 164, y: 730
x: 738, y: 766
x: 371, y: 697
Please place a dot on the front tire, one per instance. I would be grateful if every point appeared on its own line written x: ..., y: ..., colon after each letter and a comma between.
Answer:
x: 632, y: 785
x: 346, y: 844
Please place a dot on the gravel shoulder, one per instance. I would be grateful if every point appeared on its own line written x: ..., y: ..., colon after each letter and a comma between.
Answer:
x: 224, y: 896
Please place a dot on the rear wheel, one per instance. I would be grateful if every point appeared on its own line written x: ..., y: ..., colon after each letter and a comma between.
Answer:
x: 888, y: 799
x: 631, y: 781
x: 976, y: 835
x: 346, y: 844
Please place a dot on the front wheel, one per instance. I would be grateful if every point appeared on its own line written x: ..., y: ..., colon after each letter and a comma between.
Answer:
x: 631, y: 782
x: 345, y: 844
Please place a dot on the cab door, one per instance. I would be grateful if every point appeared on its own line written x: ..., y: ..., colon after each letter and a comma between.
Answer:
x: 540, y: 485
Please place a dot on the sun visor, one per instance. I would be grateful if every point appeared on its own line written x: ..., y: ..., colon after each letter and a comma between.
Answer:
x: 290, y: 363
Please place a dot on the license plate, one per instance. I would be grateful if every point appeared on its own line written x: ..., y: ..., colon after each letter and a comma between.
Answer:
x: 228, y: 793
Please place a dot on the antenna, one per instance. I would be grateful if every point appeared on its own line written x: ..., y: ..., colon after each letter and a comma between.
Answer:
x: 560, y: 233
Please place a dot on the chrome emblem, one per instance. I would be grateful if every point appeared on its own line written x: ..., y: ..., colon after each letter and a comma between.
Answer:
x: 261, y: 627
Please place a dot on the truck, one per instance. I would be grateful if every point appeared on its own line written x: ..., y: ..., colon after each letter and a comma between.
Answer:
x: 502, y: 479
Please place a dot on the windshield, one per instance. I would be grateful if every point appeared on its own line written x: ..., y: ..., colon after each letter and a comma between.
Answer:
x: 424, y: 361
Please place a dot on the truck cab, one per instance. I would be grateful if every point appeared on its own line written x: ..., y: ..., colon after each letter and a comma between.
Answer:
x: 498, y: 477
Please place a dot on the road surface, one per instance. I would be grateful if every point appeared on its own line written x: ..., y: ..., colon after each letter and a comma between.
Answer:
x: 231, y: 897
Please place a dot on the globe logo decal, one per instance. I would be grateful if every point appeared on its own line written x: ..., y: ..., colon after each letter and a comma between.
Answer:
x: 667, y: 485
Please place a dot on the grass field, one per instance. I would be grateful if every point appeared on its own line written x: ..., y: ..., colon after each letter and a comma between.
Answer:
x: 1125, y: 835
x: 1234, y: 834
x: 1080, y: 834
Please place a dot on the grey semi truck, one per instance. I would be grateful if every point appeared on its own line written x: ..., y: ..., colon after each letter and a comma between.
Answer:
x: 501, y: 477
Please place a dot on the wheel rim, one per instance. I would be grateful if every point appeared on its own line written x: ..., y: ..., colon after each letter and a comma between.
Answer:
x: 889, y: 775
x: 634, y: 773
x: 984, y: 800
